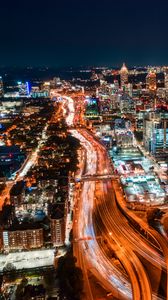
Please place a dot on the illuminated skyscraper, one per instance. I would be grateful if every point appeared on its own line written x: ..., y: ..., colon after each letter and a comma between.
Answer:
x: 83, y: 90
x: 155, y: 134
x: 23, y: 88
x: 130, y: 89
x: 166, y: 79
x: 151, y: 81
x: 1, y: 87
x: 116, y: 85
x: 123, y: 75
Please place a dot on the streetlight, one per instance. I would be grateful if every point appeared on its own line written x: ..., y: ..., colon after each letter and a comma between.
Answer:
x: 105, y: 171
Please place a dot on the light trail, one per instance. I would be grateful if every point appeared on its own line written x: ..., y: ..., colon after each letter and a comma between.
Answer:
x: 97, y: 163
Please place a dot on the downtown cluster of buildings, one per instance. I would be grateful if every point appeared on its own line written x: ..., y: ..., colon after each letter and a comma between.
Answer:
x: 128, y: 113
x: 144, y: 103
x: 131, y: 119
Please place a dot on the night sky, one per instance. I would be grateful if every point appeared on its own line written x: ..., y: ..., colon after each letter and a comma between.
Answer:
x: 83, y: 32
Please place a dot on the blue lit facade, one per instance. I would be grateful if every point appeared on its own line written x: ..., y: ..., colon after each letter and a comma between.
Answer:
x: 155, y: 135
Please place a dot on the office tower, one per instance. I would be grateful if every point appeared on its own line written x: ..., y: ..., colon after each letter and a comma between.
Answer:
x: 116, y: 85
x: 155, y: 135
x: 123, y: 76
x: 151, y: 81
x: 115, y: 101
x: 130, y: 89
x: 166, y: 80
x: 24, y: 88
x: 127, y: 104
x: 46, y: 86
x: 83, y: 90
x: 54, y: 83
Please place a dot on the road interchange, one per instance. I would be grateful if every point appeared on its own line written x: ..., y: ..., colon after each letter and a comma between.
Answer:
x: 122, y: 238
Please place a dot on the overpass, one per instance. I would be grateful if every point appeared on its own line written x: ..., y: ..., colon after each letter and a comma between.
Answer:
x: 97, y: 177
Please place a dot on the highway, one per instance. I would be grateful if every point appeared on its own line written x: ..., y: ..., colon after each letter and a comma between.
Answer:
x: 125, y: 254
x: 107, y: 270
x: 109, y: 276
x: 96, y: 214
x: 125, y: 241
x: 96, y: 196
x: 84, y: 227
x: 133, y: 238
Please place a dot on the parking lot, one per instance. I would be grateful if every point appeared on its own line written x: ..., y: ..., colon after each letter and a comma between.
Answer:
x: 28, y: 259
x: 139, y: 177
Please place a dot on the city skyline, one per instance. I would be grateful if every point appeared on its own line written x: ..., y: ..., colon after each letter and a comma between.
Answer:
x: 84, y: 185
x: 89, y: 33
x: 84, y: 150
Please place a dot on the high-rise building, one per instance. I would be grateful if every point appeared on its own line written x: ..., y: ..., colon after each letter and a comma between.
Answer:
x: 116, y: 85
x: 130, y: 89
x: 92, y: 107
x: 46, y: 86
x: 57, y: 216
x: 127, y: 104
x: 151, y: 81
x: 58, y: 232
x: 97, y: 93
x: 23, y: 88
x: 155, y: 134
x: 55, y: 82
x: 115, y: 101
x: 1, y: 87
x: 83, y: 90
x: 166, y: 80
x: 123, y: 76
